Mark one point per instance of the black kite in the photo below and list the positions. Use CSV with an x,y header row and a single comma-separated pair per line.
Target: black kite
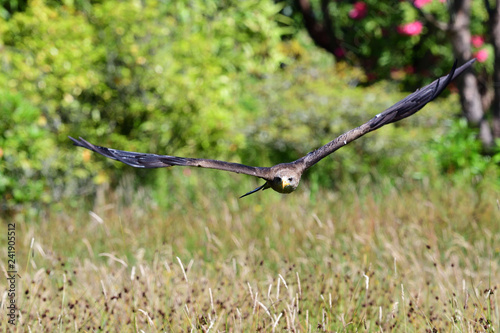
x,y
285,177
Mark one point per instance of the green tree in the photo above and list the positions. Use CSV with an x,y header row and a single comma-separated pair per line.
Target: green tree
x,y
146,75
395,39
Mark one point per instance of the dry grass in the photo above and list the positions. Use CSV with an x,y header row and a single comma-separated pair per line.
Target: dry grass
x,y
412,260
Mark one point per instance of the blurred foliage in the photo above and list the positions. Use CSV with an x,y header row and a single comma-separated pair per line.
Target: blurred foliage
x,y
457,153
373,38
25,151
9,7
190,78
140,75
328,101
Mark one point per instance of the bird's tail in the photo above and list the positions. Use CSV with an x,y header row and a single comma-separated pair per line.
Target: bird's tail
x,y
263,187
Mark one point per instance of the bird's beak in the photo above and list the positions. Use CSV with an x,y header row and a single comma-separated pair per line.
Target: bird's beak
x,y
284,183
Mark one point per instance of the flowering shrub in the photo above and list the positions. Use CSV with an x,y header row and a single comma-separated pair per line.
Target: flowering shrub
x,y
386,37
421,3
358,11
411,29
477,41
481,55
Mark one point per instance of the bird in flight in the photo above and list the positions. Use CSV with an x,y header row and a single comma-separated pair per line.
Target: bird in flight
x,y
285,177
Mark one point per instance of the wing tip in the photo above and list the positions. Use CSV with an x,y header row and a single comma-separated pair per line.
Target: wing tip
x,y
75,141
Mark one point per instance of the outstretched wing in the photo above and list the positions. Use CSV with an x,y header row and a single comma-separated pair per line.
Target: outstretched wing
x,y
402,109
141,160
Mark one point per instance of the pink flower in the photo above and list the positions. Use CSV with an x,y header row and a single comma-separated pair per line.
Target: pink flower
x,y
421,3
481,55
358,11
410,29
409,69
477,41
339,52
371,76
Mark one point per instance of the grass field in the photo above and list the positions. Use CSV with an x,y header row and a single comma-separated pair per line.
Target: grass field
x,y
366,258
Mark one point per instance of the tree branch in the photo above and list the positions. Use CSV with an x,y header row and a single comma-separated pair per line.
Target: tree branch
x,y
317,30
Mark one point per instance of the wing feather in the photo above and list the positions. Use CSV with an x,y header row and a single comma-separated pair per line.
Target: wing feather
x,y
142,160
402,109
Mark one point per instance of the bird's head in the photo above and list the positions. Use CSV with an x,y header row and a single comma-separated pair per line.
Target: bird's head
x,y
286,178
285,181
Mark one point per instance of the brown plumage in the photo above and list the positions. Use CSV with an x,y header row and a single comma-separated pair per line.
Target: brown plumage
x,y
285,177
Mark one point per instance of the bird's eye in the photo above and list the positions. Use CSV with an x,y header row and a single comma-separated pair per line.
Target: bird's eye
x,y
290,179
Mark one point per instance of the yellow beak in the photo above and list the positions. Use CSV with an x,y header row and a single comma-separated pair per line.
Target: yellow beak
x,y
284,183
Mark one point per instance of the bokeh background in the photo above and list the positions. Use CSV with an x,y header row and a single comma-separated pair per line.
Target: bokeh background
x,y
414,205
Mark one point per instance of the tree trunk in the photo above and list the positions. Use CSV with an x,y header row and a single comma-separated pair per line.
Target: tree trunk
x,y
467,83
495,39
473,103
317,30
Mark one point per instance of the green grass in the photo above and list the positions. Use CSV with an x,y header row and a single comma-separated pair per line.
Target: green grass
x,y
366,258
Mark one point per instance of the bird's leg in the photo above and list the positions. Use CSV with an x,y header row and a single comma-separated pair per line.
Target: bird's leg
x,y
263,187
